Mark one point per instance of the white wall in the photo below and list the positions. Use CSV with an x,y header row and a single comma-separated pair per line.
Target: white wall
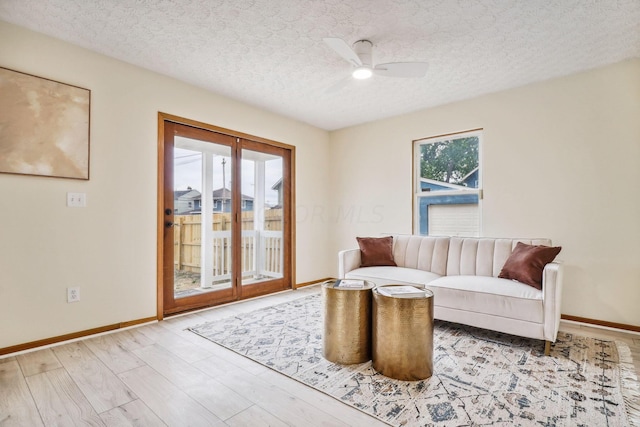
x,y
109,248
560,158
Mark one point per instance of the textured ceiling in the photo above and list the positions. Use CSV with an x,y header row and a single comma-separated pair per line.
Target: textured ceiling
x,y
270,53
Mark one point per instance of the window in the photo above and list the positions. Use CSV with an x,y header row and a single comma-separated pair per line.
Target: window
x,y
447,185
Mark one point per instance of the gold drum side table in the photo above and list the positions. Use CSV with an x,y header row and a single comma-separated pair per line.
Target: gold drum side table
x,y
347,323
402,340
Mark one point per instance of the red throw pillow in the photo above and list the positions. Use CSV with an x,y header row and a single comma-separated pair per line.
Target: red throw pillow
x,y
376,251
527,262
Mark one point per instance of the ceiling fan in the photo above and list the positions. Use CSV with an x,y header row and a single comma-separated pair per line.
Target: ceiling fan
x,y
361,57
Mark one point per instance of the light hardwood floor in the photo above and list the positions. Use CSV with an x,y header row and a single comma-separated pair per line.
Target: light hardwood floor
x,y
160,374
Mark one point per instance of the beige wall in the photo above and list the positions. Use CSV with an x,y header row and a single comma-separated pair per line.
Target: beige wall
x,y
109,248
560,159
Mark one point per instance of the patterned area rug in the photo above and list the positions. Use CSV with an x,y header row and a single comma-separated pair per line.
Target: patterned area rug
x,y
480,377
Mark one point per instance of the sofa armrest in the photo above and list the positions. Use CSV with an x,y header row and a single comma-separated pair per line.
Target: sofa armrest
x,y
348,260
551,295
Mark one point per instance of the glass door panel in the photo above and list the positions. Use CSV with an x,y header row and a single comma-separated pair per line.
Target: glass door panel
x,y
202,217
262,219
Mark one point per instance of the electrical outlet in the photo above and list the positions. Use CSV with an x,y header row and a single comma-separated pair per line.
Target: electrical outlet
x,y
73,294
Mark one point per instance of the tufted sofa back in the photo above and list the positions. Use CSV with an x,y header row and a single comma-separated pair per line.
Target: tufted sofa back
x,y
455,256
421,252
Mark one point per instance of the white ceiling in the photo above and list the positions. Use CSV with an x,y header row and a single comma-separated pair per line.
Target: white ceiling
x,y
270,53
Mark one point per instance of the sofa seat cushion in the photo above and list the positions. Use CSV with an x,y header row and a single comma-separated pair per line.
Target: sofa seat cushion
x,y
489,295
389,275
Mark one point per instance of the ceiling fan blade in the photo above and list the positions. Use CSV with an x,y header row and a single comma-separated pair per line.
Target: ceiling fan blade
x,y
401,69
343,50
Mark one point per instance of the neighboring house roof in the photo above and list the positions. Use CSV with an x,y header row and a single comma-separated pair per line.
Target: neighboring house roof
x,y
189,195
277,185
469,175
225,194
220,193
435,184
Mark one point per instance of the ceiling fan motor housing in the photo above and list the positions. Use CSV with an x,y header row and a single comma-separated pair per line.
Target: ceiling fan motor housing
x,y
363,49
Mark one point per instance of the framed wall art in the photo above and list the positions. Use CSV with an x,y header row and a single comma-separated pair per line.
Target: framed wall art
x,y
44,127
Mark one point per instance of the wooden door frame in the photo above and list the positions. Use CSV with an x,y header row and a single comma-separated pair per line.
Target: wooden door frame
x,y
160,229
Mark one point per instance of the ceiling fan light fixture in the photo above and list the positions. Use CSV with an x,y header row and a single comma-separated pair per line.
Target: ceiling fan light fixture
x,y
360,56
362,73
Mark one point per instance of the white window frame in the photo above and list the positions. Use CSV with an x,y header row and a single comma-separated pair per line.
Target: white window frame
x,y
418,194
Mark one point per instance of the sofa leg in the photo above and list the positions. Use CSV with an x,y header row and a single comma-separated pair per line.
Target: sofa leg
x,y
547,348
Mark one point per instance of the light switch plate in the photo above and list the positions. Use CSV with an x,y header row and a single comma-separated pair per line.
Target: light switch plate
x,y
77,200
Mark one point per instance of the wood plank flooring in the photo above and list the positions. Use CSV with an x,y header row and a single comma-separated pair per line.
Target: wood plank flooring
x,y
160,374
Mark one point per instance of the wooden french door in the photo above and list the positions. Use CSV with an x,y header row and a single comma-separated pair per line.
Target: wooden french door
x,y
224,215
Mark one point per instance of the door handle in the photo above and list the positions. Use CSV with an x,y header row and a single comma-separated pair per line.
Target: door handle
x,y
169,224
168,211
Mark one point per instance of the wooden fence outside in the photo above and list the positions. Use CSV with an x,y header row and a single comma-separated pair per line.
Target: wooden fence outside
x,y
188,240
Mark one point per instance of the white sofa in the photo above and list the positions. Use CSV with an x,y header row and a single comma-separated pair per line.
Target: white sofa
x,y
463,274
